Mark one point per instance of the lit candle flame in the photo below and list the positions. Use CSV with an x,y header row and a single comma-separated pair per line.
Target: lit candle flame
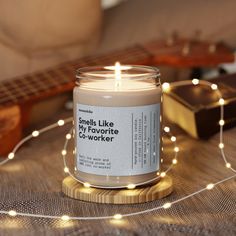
x,y
117,75
117,71
117,68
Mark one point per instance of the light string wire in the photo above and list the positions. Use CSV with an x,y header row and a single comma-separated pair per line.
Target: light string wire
x,y
129,186
166,87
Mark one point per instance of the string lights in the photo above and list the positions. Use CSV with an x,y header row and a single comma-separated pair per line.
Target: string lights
x,y
131,185
166,88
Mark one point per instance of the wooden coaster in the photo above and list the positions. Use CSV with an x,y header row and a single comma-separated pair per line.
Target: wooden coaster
x,y
74,189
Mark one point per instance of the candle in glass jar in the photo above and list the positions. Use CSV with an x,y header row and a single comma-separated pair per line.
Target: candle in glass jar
x,y
117,114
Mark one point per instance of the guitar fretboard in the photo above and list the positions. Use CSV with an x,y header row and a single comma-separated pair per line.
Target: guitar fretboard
x,y
60,79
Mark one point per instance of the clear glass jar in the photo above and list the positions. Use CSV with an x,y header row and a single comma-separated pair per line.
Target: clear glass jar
x,y
117,114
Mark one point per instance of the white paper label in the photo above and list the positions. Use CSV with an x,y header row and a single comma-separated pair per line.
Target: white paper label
x,y
118,141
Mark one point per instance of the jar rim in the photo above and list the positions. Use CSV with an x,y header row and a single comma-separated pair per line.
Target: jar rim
x,y
135,72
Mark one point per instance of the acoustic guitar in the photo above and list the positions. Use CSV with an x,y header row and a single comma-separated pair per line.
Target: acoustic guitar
x,y
18,95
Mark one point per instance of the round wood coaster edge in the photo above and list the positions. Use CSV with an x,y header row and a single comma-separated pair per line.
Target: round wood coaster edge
x,y
76,190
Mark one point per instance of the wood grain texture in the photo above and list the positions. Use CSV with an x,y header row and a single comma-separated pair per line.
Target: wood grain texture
x,y
74,189
10,128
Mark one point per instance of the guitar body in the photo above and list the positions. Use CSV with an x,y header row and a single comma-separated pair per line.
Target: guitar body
x,y
10,128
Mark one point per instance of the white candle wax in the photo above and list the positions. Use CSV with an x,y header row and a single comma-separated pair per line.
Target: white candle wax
x,y
117,127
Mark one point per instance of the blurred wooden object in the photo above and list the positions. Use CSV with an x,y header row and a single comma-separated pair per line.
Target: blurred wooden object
x,y
27,90
10,128
196,109
185,53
